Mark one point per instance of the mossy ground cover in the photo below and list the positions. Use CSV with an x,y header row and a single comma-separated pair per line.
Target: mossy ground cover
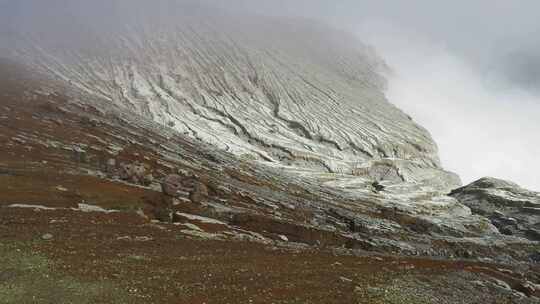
x,y
29,277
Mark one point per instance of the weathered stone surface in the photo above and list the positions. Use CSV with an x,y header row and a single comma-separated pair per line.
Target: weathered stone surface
x,y
507,205
312,98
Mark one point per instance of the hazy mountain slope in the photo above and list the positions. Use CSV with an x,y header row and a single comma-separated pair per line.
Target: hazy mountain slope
x,y
70,215
163,153
288,91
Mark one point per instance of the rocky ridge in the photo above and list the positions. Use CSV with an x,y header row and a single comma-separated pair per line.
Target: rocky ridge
x,y
512,209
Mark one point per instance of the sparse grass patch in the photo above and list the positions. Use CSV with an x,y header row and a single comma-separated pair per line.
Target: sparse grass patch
x,y
28,277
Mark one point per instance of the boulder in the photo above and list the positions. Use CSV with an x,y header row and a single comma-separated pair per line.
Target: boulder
x,y
172,185
47,237
175,185
148,179
110,166
125,171
136,173
199,193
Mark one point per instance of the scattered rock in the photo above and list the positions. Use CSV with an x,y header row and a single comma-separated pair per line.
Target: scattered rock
x,y
191,226
183,217
502,284
61,189
137,238
407,267
175,185
172,184
479,283
148,179
498,214
80,155
463,253
47,237
345,280
111,168
89,122
137,257
199,193
141,213
506,271
143,238
92,208
136,173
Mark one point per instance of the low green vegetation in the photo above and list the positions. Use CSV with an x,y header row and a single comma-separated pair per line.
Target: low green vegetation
x,y
27,277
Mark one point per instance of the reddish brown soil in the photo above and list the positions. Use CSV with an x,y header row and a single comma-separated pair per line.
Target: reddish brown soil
x,y
175,269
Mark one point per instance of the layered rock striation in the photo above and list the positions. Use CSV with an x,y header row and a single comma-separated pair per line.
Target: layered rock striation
x,y
300,103
512,209
288,92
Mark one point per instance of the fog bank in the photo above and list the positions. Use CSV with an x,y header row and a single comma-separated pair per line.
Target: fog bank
x,y
484,126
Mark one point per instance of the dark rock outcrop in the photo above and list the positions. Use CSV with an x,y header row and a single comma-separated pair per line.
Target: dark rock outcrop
x,y
512,209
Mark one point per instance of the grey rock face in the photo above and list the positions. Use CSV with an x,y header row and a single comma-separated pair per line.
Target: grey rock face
x,y
512,209
292,93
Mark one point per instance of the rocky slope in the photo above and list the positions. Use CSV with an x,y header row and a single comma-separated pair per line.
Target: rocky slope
x,y
82,207
512,209
311,97
236,139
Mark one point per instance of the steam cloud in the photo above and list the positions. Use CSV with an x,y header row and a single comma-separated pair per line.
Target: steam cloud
x,y
484,126
468,71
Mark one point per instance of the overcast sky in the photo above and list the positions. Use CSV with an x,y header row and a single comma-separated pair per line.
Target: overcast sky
x,y
467,70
